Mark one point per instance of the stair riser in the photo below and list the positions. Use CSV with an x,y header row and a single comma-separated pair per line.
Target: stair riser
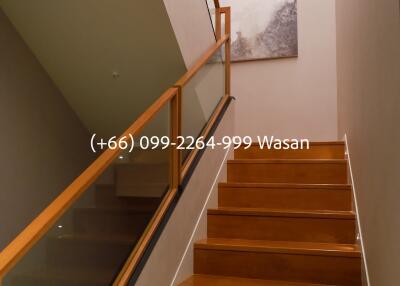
x,y
324,151
281,228
110,223
345,271
302,173
93,255
280,198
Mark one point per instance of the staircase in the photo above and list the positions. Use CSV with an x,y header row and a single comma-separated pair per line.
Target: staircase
x,y
284,218
84,238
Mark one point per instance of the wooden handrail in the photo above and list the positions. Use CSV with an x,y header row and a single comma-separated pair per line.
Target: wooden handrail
x,y
227,12
46,219
201,62
42,223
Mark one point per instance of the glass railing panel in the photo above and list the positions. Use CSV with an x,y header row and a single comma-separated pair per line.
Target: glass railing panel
x,y
200,96
73,68
91,242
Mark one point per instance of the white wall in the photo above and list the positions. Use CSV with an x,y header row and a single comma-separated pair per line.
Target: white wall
x,y
368,60
192,27
293,97
191,23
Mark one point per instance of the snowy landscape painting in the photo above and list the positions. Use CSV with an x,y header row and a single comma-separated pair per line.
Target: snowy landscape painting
x,y
263,29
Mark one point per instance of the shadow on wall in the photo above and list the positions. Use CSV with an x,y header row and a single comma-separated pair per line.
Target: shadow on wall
x,y
110,59
44,145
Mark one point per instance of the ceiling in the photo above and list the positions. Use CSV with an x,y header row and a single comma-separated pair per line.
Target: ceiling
x,y
110,59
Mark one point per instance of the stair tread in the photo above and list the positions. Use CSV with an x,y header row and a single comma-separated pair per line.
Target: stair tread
x,y
209,280
290,247
282,212
286,161
285,185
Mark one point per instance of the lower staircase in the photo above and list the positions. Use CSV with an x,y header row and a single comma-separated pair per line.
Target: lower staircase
x,y
93,249
284,218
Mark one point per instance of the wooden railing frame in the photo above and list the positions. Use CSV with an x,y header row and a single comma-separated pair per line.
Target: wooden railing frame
x,y
226,11
175,131
200,63
10,256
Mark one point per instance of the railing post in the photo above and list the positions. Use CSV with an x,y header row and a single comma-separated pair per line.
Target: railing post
x,y
218,31
218,23
175,131
228,51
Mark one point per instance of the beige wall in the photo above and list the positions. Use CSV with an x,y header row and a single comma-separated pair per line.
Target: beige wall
x,y
43,144
368,61
194,33
293,97
172,257
193,30
81,43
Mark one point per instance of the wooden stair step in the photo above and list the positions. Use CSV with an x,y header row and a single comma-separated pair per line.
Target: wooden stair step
x,y
209,280
318,150
318,263
284,218
285,196
283,213
282,225
287,171
288,247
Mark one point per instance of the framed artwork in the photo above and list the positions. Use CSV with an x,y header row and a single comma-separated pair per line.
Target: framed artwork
x,y
262,29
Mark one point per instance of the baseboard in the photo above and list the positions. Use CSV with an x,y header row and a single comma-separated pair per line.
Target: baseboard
x,y
360,240
189,245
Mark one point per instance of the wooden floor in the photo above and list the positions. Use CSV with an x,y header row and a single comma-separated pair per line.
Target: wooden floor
x,y
284,218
